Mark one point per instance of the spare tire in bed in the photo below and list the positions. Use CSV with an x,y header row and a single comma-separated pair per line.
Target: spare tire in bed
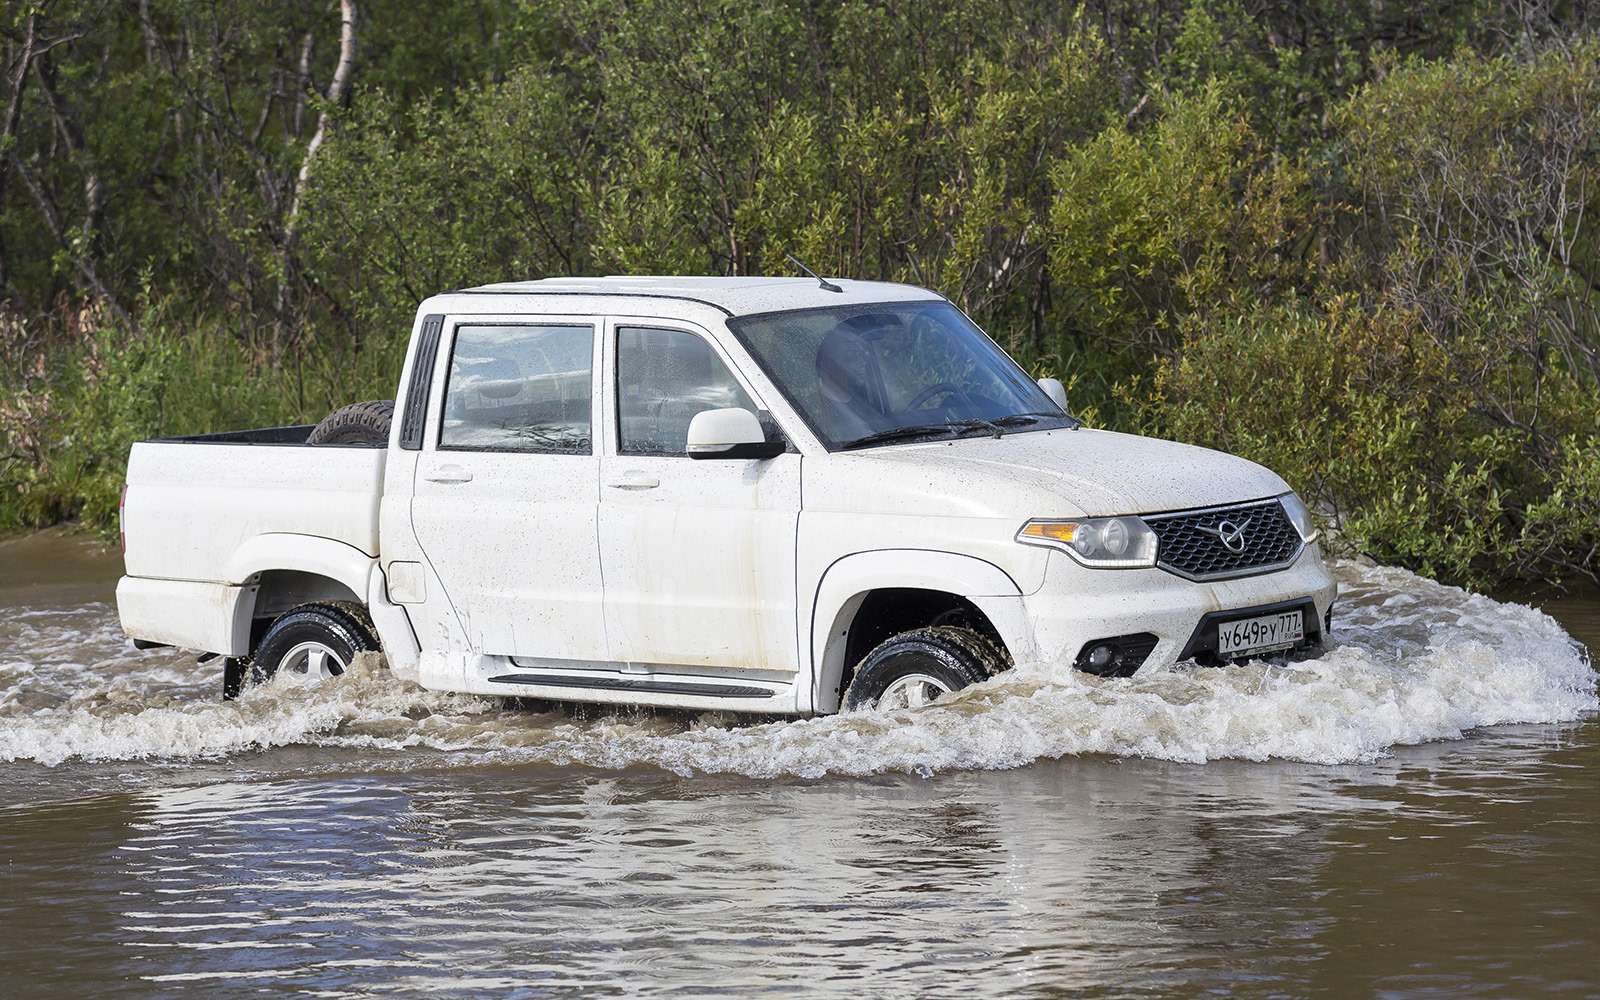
x,y
359,423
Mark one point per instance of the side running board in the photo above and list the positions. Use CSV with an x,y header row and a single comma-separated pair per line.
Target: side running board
x,y
629,684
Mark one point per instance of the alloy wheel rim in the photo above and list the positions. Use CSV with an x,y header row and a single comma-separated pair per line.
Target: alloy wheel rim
x,y
311,662
912,691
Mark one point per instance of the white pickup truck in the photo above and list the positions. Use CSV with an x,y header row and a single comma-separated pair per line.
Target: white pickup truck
x,y
777,495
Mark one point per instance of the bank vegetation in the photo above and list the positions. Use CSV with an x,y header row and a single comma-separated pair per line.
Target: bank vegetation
x,y
1356,242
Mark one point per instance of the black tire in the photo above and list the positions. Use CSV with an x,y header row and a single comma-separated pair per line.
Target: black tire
x,y
954,657
341,628
359,423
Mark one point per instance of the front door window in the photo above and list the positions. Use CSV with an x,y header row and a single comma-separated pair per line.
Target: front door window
x,y
665,377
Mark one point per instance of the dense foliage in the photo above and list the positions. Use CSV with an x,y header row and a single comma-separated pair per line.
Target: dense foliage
x,y
1354,241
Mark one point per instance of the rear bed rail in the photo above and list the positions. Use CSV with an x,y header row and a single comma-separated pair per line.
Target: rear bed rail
x,y
293,436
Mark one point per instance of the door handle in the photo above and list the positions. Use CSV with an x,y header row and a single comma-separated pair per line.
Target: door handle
x,y
634,480
448,474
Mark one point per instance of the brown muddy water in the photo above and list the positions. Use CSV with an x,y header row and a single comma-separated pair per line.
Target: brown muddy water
x,y
1414,813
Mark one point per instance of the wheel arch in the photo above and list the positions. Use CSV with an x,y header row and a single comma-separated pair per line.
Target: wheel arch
x,y
850,583
279,570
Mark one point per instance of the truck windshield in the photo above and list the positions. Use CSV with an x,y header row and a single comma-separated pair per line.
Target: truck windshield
x,y
894,371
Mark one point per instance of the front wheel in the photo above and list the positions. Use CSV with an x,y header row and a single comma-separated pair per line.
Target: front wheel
x,y
914,668
311,643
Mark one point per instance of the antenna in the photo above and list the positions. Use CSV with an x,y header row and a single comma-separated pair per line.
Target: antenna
x,y
827,285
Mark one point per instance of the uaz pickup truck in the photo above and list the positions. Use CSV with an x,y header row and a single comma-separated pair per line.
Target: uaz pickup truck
x,y
777,495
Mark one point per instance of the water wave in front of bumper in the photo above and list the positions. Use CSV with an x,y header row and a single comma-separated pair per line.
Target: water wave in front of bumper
x,y
1410,661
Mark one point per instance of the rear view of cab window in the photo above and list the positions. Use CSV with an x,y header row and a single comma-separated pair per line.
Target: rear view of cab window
x,y
520,388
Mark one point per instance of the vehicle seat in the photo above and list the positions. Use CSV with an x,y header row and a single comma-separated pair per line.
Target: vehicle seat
x,y
851,381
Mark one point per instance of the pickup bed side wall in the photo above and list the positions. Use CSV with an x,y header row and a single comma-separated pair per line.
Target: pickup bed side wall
x,y
190,506
188,614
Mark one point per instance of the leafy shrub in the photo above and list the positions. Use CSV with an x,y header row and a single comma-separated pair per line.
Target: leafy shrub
x,y
1350,407
1183,216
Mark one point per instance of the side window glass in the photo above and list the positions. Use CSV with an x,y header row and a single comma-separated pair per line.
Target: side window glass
x,y
665,377
519,388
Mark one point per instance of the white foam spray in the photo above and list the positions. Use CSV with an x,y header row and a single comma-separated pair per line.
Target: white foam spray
x,y
1411,661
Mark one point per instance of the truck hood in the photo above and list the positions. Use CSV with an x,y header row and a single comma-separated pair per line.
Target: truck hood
x,y
1058,473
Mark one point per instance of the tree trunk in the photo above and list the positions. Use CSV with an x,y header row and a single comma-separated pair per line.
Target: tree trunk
x,y
83,261
337,88
68,127
8,132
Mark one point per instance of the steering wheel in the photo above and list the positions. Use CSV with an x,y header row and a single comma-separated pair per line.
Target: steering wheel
x,y
931,392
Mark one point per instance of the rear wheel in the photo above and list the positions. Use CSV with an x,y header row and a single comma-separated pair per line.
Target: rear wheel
x,y
311,643
913,668
359,423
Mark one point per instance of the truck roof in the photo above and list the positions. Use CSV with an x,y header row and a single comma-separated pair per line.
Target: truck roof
x,y
738,296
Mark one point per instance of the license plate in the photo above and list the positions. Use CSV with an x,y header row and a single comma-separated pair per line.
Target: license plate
x,y
1259,635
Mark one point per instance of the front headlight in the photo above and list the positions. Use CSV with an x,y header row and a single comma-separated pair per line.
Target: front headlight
x,y
1300,517
1101,542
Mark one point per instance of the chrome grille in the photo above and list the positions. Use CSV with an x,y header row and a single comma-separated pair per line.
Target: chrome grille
x,y
1190,547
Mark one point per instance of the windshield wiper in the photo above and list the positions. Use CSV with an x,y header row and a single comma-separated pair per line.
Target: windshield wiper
x,y
951,428
1034,416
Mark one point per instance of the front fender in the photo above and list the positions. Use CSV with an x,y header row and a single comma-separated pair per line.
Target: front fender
x,y
848,580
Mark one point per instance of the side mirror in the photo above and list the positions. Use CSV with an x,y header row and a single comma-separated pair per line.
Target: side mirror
x,y
1056,391
731,433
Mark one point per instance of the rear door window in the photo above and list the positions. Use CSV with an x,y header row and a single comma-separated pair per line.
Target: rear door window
x,y
520,388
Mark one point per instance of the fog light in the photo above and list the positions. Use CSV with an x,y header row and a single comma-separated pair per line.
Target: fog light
x,y
1100,657
1115,656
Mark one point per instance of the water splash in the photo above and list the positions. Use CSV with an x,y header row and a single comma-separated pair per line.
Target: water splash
x,y
1411,661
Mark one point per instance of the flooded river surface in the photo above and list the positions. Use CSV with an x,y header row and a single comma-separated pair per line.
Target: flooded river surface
x,y
1414,813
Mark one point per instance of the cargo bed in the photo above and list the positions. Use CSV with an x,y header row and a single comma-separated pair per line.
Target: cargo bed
x,y
192,501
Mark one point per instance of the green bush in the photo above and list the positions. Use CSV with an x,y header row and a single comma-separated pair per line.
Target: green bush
x,y
1179,217
1350,407
67,423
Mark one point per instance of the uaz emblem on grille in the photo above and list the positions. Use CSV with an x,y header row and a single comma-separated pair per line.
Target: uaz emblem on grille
x,y
1229,534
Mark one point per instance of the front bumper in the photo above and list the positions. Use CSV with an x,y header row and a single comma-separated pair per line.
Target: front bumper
x,y
1077,605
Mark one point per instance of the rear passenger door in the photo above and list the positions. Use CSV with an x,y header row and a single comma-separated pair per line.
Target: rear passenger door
x,y
698,554
505,497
